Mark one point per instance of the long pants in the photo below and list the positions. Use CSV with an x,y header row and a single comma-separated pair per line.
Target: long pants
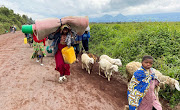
x,y
76,48
85,44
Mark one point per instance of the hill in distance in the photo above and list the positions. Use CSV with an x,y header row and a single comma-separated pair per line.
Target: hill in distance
x,y
171,17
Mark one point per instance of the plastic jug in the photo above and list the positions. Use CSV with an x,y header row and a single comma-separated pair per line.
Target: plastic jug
x,y
25,40
28,29
68,55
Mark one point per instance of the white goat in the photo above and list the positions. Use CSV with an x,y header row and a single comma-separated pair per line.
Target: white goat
x,y
87,62
107,68
111,60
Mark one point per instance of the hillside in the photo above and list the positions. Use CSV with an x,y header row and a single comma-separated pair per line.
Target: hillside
x,y
9,18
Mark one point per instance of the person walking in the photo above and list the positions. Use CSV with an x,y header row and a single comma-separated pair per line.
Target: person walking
x,y
85,39
62,38
38,46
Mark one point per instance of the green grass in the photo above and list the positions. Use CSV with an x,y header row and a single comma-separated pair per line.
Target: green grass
x,y
131,41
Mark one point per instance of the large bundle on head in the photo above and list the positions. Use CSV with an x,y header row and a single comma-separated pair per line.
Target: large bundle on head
x,y
78,24
42,28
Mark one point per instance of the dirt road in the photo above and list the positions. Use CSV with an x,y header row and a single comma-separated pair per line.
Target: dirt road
x,y
26,85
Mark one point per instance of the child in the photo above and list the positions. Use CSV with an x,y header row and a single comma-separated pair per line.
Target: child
x,y
30,39
38,46
85,41
141,94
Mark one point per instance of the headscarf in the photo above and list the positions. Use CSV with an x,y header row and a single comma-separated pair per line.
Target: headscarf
x,y
65,26
70,36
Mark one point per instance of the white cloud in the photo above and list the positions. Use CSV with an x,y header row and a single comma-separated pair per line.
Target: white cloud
x,y
158,6
38,9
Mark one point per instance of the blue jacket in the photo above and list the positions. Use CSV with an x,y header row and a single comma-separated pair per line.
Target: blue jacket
x,y
86,36
78,38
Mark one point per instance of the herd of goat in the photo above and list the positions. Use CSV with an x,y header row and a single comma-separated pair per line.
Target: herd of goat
x,y
109,65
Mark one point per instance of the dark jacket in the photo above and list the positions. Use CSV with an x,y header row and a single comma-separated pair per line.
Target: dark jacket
x,y
57,37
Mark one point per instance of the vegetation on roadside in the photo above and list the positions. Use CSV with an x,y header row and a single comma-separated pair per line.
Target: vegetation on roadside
x,y
131,41
9,18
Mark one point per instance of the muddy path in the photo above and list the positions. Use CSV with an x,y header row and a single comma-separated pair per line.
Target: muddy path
x,y
26,85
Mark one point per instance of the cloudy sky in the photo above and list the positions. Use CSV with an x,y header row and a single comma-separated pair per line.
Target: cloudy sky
x,y
39,9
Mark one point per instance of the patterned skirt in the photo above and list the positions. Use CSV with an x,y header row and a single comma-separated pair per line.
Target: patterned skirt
x,y
38,50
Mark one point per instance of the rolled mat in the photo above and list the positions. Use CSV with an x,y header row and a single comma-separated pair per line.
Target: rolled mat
x,y
77,23
44,27
27,29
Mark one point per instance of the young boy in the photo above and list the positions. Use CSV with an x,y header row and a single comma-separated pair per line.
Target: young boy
x,y
141,94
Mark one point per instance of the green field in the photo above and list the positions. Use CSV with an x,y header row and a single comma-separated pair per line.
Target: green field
x,y
131,41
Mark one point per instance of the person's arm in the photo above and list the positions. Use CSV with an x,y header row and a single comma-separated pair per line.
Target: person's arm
x,y
53,43
44,41
36,40
55,39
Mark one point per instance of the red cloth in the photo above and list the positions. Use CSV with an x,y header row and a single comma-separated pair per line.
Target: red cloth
x,y
62,67
38,41
150,100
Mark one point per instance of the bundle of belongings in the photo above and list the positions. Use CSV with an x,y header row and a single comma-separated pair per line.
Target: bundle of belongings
x,y
42,28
